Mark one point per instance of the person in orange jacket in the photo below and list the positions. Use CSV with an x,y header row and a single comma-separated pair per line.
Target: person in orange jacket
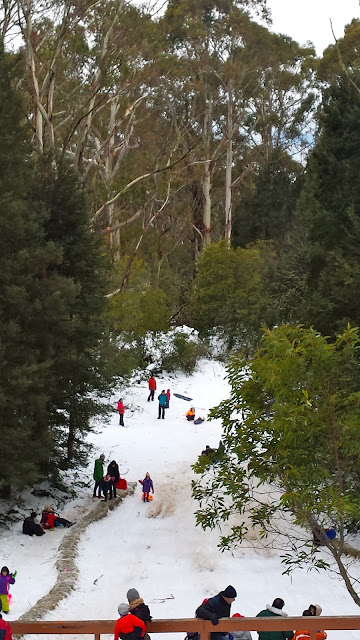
x,y
190,415
305,635
121,410
128,627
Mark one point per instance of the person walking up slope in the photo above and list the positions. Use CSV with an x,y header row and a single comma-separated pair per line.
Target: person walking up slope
x,y
276,609
162,404
147,485
152,388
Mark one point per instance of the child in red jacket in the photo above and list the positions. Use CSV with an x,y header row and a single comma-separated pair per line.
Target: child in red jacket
x,y
152,388
128,627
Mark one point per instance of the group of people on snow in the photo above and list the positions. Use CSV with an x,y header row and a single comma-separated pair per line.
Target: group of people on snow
x,y
107,484
49,520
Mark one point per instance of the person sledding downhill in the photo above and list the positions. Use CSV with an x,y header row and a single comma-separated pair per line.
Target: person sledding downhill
x,y
147,486
6,578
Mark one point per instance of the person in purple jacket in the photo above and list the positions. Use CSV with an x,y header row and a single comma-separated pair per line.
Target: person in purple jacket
x,y
147,485
6,578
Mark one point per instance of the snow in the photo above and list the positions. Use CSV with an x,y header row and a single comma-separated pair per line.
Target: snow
x,y
156,547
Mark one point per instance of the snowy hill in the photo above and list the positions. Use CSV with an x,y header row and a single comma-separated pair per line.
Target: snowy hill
x,y
155,547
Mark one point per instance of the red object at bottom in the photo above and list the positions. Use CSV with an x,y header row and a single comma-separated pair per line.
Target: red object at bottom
x,y
122,484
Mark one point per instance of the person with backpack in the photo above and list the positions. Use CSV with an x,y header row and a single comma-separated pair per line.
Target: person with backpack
x,y
276,609
217,607
137,606
98,474
121,410
128,627
162,404
152,388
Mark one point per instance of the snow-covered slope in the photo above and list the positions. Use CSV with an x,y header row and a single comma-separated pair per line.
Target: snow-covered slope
x,y
156,547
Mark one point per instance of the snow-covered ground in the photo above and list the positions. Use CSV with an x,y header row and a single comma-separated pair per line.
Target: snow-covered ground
x,y
156,547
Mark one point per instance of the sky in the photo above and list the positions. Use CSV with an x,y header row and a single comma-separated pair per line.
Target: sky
x,y
309,20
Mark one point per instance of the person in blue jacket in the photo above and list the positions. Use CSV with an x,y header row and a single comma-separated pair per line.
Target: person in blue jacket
x,y
162,404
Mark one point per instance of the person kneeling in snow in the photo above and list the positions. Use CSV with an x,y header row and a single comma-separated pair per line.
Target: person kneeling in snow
x,y
30,527
128,627
190,415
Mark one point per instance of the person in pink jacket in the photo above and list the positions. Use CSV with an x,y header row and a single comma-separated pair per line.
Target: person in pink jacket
x,y
121,410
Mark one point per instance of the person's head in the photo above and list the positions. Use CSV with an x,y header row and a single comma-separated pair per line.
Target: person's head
x,y
123,609
207,446
5,571
120,399
147,475
113,463
312,609
307,612
132,594
168,391
318,610
229,594
33,515
48,508
278,603
237,615
163,391
107,477
102,457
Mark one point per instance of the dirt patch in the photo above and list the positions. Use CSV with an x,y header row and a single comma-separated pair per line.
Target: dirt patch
x,y
68,572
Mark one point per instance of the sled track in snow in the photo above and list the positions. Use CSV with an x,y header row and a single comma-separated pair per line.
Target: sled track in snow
x,y
67,570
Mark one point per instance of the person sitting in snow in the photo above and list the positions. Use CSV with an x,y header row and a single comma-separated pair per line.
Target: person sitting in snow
x,y
208,451
305,635
147,486
128,627
199,420
276,609
32,528
50,519
137,606
218,607
5,629
190,415
239,635
6,578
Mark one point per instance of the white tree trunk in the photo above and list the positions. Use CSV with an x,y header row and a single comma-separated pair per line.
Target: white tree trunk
x,y
229,164
207,135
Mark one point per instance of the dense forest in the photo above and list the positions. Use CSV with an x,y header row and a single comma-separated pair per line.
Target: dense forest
x,y
163,168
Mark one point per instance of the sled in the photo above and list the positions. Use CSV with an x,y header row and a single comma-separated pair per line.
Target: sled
x,y
178,395
121,484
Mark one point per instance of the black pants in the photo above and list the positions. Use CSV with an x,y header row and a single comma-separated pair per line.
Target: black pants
x,y
62,521
161,411
121,419
106,491
151,395
114,488
97,486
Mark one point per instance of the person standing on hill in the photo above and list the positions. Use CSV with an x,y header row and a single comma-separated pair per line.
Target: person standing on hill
x,y
276,609
114,473
152,388
121,410
147,485
162,404
168,395
6,578
218,607
98,474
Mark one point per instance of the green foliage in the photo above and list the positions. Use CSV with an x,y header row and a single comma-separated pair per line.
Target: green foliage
x,y
183,354
291,435
231,291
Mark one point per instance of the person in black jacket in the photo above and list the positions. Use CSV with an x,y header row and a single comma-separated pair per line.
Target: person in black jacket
x,y
113,472
217,607
137,606
30,527
107,487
